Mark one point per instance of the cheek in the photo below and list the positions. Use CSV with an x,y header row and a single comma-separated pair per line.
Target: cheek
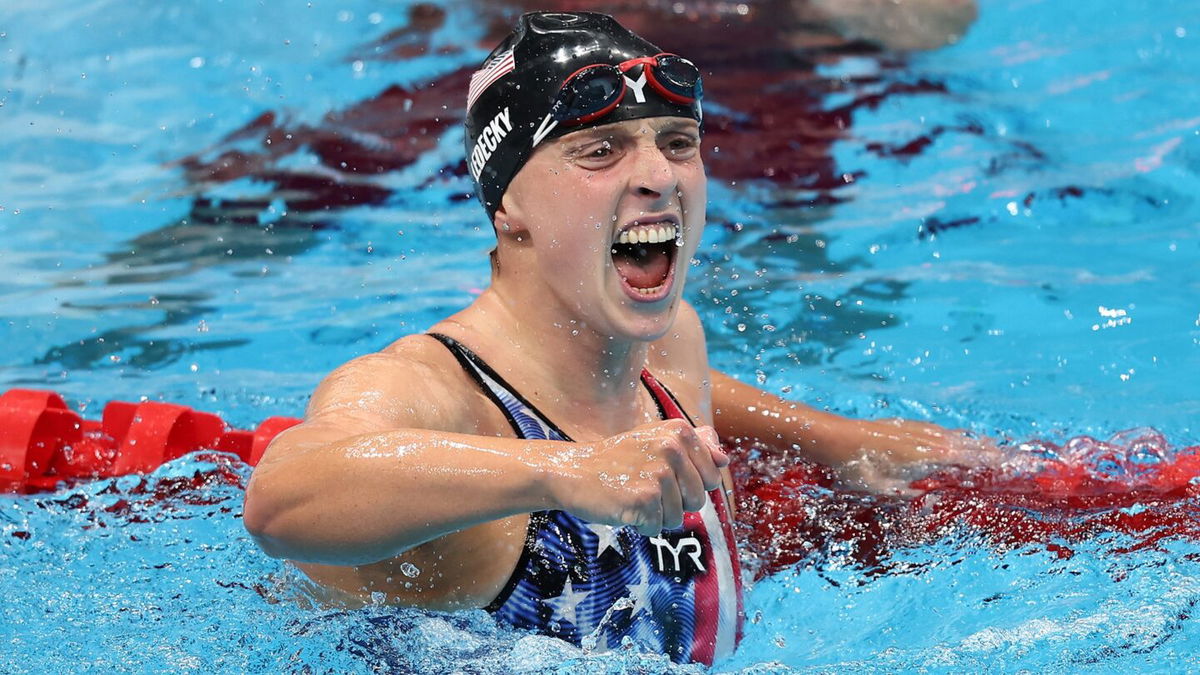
x,y
579,225
695,196
573,246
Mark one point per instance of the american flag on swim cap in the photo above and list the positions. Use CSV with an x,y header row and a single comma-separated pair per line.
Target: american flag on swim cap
x,y
497,67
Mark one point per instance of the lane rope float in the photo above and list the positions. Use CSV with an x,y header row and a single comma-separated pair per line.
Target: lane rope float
x,y
43,442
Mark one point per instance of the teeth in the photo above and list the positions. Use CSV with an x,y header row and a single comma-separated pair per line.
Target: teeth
x,y
648,234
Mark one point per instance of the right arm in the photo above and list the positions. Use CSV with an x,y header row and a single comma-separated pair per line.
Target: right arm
x,y
375,471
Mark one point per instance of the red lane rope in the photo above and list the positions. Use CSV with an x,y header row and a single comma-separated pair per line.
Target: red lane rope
x,y
43,442
789,511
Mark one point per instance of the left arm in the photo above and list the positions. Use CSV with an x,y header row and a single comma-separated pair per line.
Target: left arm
x,y
864,451
872,454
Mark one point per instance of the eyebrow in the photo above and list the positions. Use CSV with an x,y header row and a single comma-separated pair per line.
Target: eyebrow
x,y
590,135
586,136
678,125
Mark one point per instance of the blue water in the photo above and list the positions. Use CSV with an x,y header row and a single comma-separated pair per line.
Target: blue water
x,y
1031,272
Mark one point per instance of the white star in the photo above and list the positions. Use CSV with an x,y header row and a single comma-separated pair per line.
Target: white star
x,y
640,594
608,539
601,641
566,604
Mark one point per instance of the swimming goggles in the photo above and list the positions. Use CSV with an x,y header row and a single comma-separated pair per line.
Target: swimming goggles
x,y
594,91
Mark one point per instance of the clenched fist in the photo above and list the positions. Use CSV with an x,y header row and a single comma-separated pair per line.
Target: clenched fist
x,y
646,477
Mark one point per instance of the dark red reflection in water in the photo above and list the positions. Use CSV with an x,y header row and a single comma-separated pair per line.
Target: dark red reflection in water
x,y
767,119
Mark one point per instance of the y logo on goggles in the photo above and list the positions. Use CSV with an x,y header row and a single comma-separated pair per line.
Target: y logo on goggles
x,y
637,86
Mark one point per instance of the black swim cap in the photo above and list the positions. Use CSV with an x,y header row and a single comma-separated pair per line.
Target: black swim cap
x,y
510,96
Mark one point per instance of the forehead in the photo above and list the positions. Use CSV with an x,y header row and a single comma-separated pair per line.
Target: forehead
x,y
627,128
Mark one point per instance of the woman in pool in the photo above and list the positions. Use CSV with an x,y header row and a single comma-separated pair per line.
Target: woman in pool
x,y
550,452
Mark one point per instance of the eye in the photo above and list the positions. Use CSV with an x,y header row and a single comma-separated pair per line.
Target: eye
x,y
600,151
599,154
682,146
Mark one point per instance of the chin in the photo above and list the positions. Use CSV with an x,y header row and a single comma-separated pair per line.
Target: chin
x,y
647,323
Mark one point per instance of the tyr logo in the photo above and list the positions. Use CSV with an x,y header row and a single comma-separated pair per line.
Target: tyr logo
x,y
691,545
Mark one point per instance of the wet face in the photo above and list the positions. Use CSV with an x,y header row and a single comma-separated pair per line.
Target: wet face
x,y
610,217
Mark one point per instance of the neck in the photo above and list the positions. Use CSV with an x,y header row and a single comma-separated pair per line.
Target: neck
x,y
594,374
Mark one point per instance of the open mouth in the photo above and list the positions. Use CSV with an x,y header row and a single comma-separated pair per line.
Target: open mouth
x,y
644,257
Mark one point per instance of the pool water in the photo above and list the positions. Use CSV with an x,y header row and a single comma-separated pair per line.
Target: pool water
x,y
216,203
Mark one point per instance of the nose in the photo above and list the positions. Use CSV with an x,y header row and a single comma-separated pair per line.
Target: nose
x,y
654,175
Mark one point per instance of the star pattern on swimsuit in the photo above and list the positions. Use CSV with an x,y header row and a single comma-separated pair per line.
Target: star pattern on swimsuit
x,y
639,593
566,605
608,539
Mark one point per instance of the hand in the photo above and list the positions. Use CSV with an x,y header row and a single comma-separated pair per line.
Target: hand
x,y
889,454
647,477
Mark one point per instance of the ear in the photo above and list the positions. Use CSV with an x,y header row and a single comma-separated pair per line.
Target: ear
x,y
508,221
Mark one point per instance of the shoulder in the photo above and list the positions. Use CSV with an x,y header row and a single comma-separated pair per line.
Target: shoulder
x,y
414,382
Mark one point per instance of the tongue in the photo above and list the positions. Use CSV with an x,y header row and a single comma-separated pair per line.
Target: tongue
x,y
647,270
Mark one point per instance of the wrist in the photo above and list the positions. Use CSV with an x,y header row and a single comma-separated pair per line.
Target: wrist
x,y
555,476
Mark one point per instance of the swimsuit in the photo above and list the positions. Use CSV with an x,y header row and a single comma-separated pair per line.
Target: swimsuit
x,y
679,593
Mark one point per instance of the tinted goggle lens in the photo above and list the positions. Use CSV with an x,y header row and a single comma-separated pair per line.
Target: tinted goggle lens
x,y
678,75
591,90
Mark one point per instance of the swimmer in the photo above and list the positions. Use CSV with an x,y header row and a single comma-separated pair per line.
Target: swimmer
x,y
550,453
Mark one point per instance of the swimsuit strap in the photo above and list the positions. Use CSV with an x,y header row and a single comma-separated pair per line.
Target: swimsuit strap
x,y
668,405
524,417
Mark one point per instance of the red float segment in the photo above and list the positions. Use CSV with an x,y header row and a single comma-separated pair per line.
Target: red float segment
x,y
238,443
89,457
267,431
117,417
250,446
160,432
34,425
43,442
